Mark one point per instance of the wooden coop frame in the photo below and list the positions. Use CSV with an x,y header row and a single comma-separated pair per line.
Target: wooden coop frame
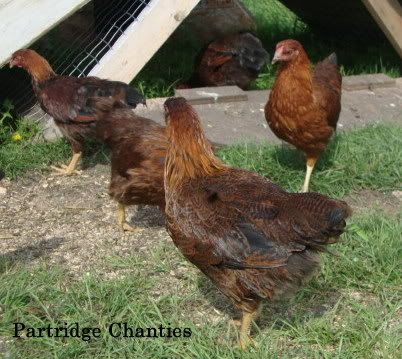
x,y
388,15
24,21
129,53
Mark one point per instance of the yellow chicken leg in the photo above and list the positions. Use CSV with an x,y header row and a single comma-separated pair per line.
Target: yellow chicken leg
x,y
70,169
245,326
121,219
310,163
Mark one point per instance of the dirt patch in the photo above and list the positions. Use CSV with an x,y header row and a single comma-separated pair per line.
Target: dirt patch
x,y
389,202
71,221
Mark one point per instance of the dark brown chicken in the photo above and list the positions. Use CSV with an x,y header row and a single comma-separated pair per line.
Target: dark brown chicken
x,y
65,99
304,104
233,60
254,240
138,148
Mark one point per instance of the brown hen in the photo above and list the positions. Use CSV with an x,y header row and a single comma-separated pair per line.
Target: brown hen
x,y
65,99
138,148
304,104
254,240
232,60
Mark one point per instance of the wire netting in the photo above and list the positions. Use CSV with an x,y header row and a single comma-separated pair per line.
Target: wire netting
x,y
73,47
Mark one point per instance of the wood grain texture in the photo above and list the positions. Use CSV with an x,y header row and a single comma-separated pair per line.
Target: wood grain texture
x,y
24,21
142,39
388,15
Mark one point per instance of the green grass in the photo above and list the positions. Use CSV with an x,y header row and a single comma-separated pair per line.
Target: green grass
x,y
369,158
174,61
17,159
350,310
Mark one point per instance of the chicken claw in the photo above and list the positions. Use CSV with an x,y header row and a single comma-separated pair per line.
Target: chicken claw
x,y
121,220
70,169
64,170
127,228
245,340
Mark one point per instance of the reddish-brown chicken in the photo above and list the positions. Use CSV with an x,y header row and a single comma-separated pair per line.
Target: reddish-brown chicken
x,y
233,60
65,99
138,148
254,240
304,104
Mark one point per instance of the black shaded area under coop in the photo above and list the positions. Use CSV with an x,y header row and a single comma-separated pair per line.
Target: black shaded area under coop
x,y
345,17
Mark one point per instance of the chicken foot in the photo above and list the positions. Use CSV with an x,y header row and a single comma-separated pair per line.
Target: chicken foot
x,y
245,327
121,220
67,170
310,163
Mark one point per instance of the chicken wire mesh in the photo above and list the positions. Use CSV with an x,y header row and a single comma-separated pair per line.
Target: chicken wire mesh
x,y
73,47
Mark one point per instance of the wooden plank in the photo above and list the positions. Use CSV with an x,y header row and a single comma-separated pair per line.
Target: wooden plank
x,y
24,21
142,39
367,82
388,15
206,95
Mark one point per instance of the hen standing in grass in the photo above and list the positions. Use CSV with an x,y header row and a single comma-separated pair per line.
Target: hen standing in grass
x,y
138,149
233,60
304,104
65,99
254,240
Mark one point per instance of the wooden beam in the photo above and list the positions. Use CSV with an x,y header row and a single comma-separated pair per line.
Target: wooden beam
x,y
142,39
24,21
388,15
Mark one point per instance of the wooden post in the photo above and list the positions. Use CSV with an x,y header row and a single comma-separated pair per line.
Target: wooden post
x,y
142,39
388,15
24,21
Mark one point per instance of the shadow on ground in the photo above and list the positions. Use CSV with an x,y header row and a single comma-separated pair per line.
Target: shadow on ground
x,y
29,253
307,303
294,159
147,216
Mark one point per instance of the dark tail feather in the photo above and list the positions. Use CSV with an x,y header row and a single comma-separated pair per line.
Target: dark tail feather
x,y
337,220
324,220
133,97
333,59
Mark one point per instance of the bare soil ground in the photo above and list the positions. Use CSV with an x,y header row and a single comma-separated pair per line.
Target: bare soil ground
x,y
71,221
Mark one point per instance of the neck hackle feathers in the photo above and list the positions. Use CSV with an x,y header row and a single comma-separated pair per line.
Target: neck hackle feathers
x,y
37,66
190,153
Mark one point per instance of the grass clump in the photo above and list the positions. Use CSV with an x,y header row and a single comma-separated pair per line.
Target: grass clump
x,y
350,310
19,152
368,158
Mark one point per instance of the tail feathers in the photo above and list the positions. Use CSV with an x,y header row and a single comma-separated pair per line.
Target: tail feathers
x,y
133,97
254,61
333,59
319,220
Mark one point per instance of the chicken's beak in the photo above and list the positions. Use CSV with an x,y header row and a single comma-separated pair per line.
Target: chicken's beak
x,y
277,56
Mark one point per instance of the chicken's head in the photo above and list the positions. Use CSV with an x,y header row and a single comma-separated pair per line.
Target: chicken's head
x,y
32,62
21,58
286,51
